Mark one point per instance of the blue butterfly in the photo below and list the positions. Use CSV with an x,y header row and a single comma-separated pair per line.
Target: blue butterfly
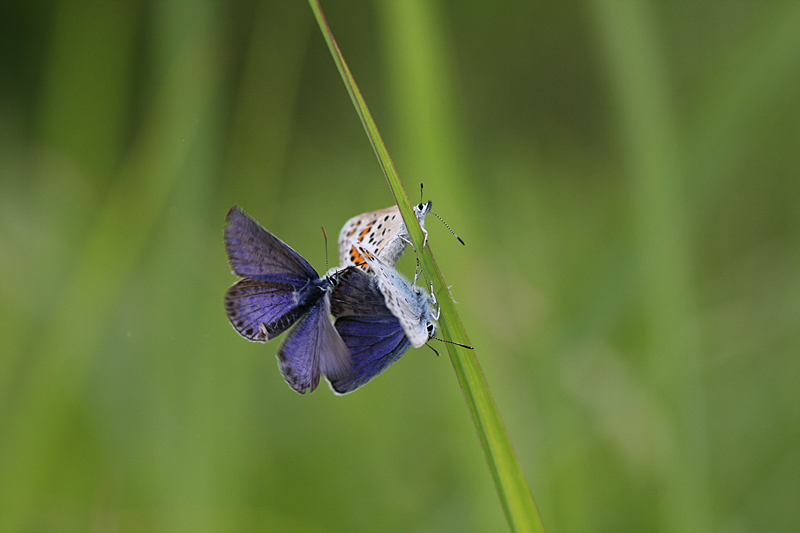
x,y
379,317
280,288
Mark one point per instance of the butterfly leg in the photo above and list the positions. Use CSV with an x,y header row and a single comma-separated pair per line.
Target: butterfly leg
x,y
424,240
417,270
433,304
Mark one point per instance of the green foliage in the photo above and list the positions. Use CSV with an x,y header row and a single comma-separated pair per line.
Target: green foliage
x,y
624,176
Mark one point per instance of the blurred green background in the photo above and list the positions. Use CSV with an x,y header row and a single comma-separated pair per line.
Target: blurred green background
x,y
625,176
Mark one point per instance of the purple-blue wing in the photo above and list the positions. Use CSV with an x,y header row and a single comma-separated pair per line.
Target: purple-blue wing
x,y
375,344
311,348
356,294
371,332
255,253
261,310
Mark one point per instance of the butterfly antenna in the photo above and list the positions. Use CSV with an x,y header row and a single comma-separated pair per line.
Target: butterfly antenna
x,y
451,229
453,342
432,348
325,233
420,193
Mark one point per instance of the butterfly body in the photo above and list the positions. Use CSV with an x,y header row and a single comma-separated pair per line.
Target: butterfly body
x,y
411,305
280,289
382,233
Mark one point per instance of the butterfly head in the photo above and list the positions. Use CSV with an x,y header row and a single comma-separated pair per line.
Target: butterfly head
x,y
421,210
431,328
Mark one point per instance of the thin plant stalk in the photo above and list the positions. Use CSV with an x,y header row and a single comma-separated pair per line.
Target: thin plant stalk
x,y
515,496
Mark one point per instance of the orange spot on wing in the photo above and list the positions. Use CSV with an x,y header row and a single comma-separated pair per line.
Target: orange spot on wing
x,y
365,230
358,259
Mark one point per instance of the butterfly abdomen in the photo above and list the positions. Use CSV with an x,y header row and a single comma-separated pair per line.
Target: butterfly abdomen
x,y
304,300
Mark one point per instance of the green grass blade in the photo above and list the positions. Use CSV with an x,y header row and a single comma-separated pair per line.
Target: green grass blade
x,y
515,496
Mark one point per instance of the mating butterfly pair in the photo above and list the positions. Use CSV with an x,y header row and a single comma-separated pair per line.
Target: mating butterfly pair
x,y
379,315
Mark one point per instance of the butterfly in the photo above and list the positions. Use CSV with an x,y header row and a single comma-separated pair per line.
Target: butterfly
x,y
382,233
279,289
412,306
379,317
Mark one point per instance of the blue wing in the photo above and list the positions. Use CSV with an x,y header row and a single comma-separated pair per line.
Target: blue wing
x,y
312,347
375,344
261,310
280,288
371,332
255,253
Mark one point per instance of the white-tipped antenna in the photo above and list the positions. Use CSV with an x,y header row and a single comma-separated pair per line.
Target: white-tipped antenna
x,y
440,218
451,229
325,233
452,342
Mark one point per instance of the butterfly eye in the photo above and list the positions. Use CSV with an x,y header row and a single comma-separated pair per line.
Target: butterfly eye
x,y
430,328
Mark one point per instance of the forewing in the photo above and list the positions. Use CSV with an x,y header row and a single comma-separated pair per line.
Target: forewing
x,y
311,347
261,310
255,253
356,294
375,344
